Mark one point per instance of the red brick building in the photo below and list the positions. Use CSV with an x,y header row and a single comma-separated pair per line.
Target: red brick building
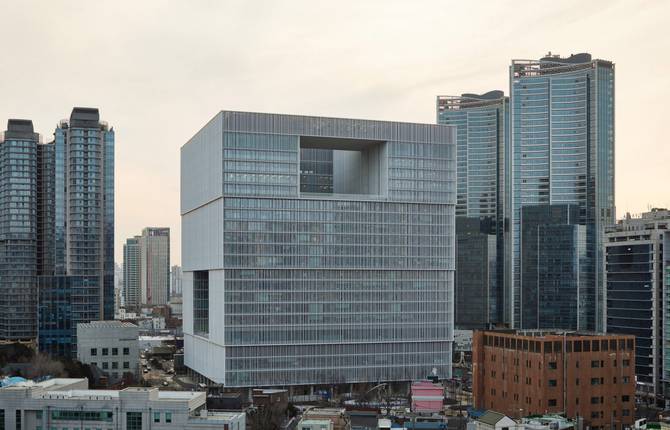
x,y
584,375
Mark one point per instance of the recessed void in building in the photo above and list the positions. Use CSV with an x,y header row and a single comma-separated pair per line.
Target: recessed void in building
x,y
342,166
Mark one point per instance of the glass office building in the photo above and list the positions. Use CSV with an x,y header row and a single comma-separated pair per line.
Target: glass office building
x,y
482,128
317,250
561,151
555,274
18,231
475,286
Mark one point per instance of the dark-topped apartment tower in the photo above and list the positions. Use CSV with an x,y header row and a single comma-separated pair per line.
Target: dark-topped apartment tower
x,y
78,282
18,231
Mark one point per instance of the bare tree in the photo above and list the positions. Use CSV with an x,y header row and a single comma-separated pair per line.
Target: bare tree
x,y
42,365
269,417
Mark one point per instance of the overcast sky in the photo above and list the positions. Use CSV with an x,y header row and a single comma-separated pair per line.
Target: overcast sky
x,y
159,70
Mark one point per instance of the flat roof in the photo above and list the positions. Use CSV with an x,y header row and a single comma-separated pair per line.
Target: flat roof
x,y
218,415
53,384
555,333
107,324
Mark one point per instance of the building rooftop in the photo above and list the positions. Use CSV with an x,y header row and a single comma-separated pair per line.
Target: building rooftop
x,y
315,422
552,333
53,384
107,324
218,415
655,218
70,388
325,411
491,418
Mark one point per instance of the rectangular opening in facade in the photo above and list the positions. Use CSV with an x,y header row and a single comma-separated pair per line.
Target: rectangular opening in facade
x,y
342,166
201,302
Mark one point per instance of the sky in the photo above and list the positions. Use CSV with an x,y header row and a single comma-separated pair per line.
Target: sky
x,y
159,70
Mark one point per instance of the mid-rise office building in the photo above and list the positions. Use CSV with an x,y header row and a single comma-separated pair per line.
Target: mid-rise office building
x,y
288,283
561,152
132,292
634,276
555,271
475,290
70,404
175,281
482,128
18,231
111,346
76,283
581,375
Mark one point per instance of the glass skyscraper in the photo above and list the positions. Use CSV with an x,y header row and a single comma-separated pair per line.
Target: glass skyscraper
x,y
317,250
482,128
561,151
82,215
18,230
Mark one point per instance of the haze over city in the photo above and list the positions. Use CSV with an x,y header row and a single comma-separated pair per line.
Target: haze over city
x,y
158,70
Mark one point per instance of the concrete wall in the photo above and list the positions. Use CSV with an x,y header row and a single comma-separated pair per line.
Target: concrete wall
x,y
110,337
361,172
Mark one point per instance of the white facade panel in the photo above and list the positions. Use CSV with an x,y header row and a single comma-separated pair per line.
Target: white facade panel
x,y
205,357
202,237
201,166
216,307
187,304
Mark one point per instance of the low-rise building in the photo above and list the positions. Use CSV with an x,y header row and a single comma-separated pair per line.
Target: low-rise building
x,y
314,424
427,397
68,403
585,375
336,416
267,397
492,420
112,346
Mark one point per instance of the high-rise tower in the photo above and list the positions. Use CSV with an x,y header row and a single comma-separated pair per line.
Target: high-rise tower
x,y
481,123
132,295
18,230
561,152
155,265
79,285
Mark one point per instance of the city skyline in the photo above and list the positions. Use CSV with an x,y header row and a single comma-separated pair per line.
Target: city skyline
x,y
184,63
